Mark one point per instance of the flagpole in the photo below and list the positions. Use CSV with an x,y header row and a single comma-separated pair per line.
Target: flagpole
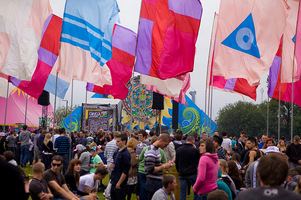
x,y
6,102
56,79
26,108
70,127
211,99
86,96
268,113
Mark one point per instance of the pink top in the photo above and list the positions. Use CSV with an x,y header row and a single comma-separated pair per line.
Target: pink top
x,y
207,174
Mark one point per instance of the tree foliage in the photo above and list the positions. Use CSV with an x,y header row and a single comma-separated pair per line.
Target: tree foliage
x,y
61,113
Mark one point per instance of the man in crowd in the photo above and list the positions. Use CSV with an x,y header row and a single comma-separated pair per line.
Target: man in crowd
x,y
217,141
293,151
24,139
227,143
153,165
142,135
264,138
120,168
252,154
169,183
81,139
272,172
56,181
38,187
187,160
111,147
204,136
62,144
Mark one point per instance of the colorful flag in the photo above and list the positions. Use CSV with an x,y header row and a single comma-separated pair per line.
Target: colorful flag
x,y
173,88
86,41
248,36
121,64
21,25
48,53
298,46
4,80
168,31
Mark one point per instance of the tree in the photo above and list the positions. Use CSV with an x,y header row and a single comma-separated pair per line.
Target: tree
x,y
61,113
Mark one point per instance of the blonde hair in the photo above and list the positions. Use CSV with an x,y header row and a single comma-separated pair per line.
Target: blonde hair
x,y
132,143
47,139
298,188
92,145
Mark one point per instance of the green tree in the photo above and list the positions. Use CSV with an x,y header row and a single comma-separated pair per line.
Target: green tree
x,y
61,113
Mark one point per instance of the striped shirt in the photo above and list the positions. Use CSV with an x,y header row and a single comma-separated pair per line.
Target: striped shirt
x,y
111,147
152,159
62,144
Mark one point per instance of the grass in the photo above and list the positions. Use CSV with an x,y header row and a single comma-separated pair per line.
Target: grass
x,y
28,172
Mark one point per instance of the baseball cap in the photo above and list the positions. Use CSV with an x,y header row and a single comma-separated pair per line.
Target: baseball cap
x,y
2,134
94,148
272,149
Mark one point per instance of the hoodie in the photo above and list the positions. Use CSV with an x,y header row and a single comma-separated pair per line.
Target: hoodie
x,y
207,174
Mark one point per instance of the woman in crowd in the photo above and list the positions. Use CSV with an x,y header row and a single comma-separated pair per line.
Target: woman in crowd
x,y
207,170
47,151
133,172
233,172
84,156
95,160
281,146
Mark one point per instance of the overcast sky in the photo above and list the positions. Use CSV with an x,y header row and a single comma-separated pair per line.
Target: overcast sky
x,y
129,17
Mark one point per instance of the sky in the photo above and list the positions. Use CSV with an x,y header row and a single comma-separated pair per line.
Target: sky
x,y
129,17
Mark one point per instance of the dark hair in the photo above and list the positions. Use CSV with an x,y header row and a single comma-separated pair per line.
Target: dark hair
x,y
57,158
209,145
236,157
167,179
218,139
62,130
217,195
123,137
224,133
178,136
165,137
9,155
179,132
253,140
24,127
243,133
72,163
273,169
292,172
143,132
190,138
298,169
233,171
101,170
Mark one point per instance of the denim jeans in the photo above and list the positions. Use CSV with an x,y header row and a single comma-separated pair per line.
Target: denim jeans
x,y
118,194
24,154
184,181
151,186
65,162
202,197
142,180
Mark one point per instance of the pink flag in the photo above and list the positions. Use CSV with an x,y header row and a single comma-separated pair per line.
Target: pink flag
x,y
248,36
298,46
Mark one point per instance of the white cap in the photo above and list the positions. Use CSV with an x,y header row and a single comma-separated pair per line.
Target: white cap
x,y
272,149
2,134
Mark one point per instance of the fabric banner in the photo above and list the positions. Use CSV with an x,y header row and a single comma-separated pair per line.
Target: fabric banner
x,y
4,80
168,31
21,25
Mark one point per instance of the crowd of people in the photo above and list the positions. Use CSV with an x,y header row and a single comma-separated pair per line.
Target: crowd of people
x,y
149,166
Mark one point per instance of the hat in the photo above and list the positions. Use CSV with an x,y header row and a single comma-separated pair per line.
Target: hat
x,y
94,148
99,146
2,134
272,149
80,148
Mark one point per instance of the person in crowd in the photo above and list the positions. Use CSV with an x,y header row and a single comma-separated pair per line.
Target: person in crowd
x,y
55,136
264,138
31,149
81,139
141,169
281,145
40,144
133,172
120,168
10,139
169,183
253,153
272,172
153,165
223,165
2,143
293,152
24,139
269,142
207,170
111,147
178,139
18,149
204,136
292,179
221,185
56,181
170,151
10,157
217,142
88,184
95,160
298,187
84,156
187,160
298,169
62,144
47,151
234,144
72,175
235,157
142,135
234,173
227,143
38,187
217,195
37,154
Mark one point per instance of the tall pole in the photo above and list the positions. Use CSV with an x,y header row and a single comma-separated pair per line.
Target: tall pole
x,y
57,74
6,101
26,108
268,105
292,114
86,96
132,84
70,126
279,109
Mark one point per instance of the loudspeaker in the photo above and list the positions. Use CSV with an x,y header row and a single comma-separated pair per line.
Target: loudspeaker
x,y
175,115
44,98
158,101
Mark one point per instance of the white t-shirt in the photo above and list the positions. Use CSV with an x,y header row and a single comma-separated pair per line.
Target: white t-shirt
x,y
227,144
87,180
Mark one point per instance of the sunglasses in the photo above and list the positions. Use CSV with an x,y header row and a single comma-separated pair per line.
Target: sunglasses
x,y
54,164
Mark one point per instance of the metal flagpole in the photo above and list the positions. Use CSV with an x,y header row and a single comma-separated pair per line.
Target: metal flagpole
x,y
279,105
54,101
132,91
26,108
70,127
268,110
86,96
211,98
6,101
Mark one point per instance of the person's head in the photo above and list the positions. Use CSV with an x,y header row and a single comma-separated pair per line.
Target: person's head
x,y
206,146
9,155
24,127
243,133
216,133
115,134
264,138
298,187
121,140
224,133
235,157
162,141
153,139
298,169
251,143
217,141
233,170
217,195
56,163
244,139
93,150
142,135
62,131
132,143
223,165
291,174
281,143
178,136
74,166
47,139
100,173
38,168
296,140
272,169
81,134
270,142
169,182
190,139
204,135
